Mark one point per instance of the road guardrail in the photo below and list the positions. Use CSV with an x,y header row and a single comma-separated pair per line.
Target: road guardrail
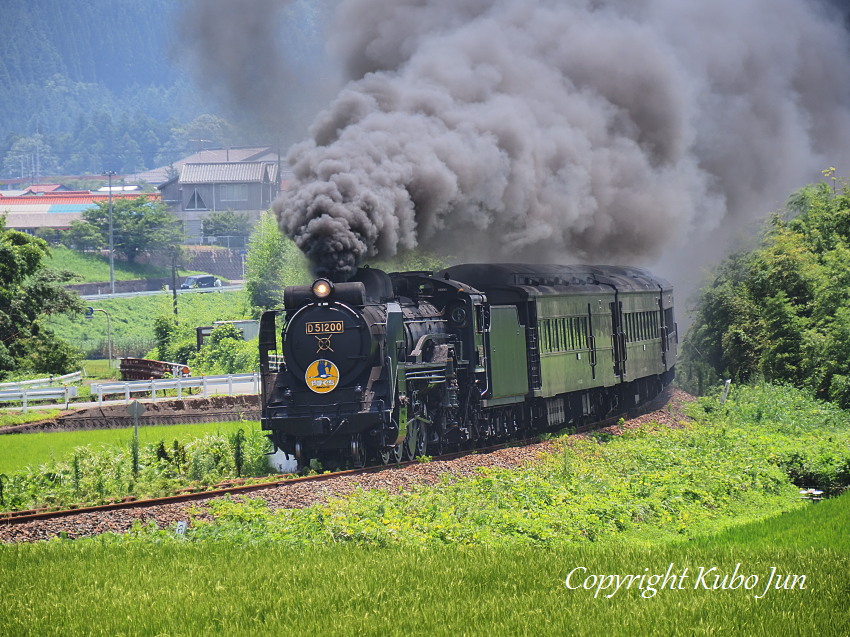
x,y
25,396
107,295
205,383
43,382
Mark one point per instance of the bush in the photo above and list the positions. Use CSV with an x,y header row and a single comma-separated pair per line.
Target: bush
x,y
224,352
92,474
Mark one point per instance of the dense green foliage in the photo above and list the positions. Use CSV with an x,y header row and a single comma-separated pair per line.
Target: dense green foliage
x,y
178,587
134,320
225,352
138,225
781,312
273,262
231,228
96,473
29,293
96,85
89,83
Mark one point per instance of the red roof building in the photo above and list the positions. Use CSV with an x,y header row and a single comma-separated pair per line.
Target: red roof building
x,y
40,189
55,210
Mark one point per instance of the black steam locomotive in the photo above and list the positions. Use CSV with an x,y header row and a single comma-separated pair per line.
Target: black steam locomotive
x,y
392,366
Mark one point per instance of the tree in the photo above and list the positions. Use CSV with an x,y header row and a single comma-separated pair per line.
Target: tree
x,y
29,292
225,352
30,157
205,131
781,311
174,344
272,263
82,236
139,225
227,224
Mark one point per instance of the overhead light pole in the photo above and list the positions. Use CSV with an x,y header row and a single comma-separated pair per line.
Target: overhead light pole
x,y
89,314
109,174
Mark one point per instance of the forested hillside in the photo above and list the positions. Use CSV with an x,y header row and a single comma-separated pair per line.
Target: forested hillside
x,y
128,85
60,60
96,85
89,85
781,312
114,42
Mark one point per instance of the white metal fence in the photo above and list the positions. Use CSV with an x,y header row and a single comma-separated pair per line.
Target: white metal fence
x,y
207,384
27,395
75,377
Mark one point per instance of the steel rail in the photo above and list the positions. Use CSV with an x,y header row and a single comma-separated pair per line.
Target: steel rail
x,y
18,517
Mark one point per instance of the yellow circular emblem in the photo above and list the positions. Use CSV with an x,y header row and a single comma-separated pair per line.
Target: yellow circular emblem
x,y
322,376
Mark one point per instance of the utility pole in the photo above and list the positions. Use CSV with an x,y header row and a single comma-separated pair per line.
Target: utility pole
x,y
174,280
109,174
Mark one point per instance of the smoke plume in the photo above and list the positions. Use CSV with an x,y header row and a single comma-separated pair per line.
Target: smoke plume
x,y
262,58
572,130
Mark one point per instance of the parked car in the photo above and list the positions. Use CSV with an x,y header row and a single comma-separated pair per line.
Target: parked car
x,y
200,281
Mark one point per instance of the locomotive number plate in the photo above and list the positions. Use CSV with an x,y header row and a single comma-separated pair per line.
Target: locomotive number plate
x,y
327,327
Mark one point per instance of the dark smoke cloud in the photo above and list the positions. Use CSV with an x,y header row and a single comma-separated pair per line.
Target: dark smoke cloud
x,y
263,58
576,130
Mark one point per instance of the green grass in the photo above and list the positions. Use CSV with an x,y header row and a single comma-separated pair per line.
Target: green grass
x,y
818,526
133,320
18,451
98,369
179,588
94,268
10,418
328,570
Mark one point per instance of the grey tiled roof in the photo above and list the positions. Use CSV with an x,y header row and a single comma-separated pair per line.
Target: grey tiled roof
x,y
228,172
214,155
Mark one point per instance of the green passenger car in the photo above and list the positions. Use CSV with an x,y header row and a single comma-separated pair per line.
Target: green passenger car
x,y
579,340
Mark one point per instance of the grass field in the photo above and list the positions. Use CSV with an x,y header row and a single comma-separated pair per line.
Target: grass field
x,y
655,532
18,451
94,268
133,320
179,588
100,370
12,417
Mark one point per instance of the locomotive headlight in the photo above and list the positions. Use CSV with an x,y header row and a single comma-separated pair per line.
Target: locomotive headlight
x,y
322,288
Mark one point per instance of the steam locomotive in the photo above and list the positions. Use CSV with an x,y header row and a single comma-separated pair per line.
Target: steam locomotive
x,y
395,366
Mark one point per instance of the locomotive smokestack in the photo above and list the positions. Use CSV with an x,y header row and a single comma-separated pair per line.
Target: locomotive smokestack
x,y
543,130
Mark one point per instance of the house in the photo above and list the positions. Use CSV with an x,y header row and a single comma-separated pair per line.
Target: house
x,y
158,176
40,189
246,187
52,210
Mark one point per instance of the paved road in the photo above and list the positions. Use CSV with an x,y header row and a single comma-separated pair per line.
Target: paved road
x,y
224,288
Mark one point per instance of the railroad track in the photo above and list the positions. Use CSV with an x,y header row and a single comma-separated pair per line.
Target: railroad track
x,y
124,422
20,517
